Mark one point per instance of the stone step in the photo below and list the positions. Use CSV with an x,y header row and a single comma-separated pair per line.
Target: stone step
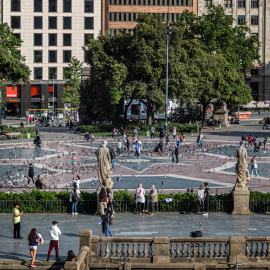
x,y
15,264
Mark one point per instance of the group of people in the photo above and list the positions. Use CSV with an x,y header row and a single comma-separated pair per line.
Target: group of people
x,y
250,142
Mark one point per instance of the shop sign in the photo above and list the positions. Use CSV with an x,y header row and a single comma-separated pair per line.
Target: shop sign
x,y
12,100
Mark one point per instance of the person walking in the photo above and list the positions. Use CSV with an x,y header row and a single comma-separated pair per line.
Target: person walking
x,y
137,149
102,200
31,173
176,151
153,200
119,146
73,161
173,154
107,221
54,233
16,220
206,199
200,140
128,144
264,144
39,183
37,142
255,143
174,131
249,141
244,139
33,239
254,167
200,196
140,198
74,198
152,132
112,154
70,126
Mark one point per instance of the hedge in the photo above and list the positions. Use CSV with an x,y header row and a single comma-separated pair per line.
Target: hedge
x,y
188,128
23,130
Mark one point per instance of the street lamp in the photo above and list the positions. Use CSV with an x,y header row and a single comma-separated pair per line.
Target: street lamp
x,y
240,63
168,33
53,93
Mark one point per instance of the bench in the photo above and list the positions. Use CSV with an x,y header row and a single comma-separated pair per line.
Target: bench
x,y
15,134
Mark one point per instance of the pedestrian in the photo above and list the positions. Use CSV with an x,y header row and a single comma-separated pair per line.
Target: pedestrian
x,y
128,143
37,142
176,151
31,173
124,137
140,198
16,220
174,131
54,233
254,167
153,199
173,154
110,205
74,198
102,200
70,126
73,161
244,139
250,141
119,146
161,133
30,119
197,127
200,196
264,144
200,140
160,145
206,199
137,149
71,256
256,144
167,141
76,182
107,221
33,239
181,137
152,132
112,154
39,183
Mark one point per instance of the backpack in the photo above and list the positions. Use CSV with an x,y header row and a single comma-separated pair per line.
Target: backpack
x,y
75,197
41,242
35,141
139,193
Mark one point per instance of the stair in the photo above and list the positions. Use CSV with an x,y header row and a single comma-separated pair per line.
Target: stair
x,y
44,265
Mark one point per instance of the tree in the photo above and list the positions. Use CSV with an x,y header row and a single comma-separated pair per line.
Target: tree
x,y
72,91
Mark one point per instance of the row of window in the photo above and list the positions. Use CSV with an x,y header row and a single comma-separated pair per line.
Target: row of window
x,y
240,3
188,3
52,40
52,73
131,17
16,22
52,56
67,6
253,21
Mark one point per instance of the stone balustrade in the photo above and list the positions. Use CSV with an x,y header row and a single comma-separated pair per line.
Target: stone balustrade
x,y
166,253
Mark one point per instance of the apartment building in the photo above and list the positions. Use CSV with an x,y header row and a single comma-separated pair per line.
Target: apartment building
x,y
52,32
256,13
122,14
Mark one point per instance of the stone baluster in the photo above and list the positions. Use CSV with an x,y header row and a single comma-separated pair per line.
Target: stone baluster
x,y
194,255
215,250
263,249
112,249
210,250
150,250
188,250
107,252
128,249
257,249
200,251
247,250
134,251
204,250
251,249
177,251
145,251
268,249
117,250
101,250
139,250
123,250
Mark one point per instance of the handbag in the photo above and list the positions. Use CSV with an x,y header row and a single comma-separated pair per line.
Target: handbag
x,y
111,222
199,143
100,221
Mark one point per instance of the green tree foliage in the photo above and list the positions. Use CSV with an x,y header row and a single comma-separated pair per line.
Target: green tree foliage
x,y
72,91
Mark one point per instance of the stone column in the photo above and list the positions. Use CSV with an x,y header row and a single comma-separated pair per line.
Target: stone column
x,y
94,257
85,237
241,201
162,254
237,250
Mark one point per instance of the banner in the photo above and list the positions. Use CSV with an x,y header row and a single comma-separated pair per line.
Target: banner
x,y
11,92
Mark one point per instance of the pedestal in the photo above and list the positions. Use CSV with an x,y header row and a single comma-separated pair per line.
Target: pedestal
x,y
241,201
221,113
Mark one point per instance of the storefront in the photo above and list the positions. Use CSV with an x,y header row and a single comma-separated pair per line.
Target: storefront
x,y
13,100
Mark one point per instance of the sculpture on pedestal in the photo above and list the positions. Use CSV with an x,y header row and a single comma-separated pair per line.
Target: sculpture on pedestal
x,y
241,168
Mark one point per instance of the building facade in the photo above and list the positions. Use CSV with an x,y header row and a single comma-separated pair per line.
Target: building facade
x,y
52,32
122,14
256,13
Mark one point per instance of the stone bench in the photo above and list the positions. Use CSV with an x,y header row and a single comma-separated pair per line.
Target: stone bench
x,y
15,134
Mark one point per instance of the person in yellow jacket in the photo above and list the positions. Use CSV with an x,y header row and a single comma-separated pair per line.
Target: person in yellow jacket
x,y
16,220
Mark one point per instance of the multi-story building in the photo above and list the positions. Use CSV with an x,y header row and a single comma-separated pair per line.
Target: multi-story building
x,y
52,32
256,14
122,14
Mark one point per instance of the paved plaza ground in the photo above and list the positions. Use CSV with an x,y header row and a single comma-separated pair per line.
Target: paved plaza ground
x,y
125,225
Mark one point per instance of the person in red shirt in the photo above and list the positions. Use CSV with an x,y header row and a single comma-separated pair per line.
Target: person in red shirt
x,y
250,141
30,119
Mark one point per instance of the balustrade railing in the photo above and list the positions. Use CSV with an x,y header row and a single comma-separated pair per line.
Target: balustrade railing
x,y
257,247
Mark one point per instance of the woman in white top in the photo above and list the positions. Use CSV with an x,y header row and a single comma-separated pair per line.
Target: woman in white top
x,y
140,198
254,167
74,198
76,182
200,196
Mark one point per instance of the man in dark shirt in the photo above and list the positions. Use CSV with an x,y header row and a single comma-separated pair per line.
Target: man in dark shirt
x,y
206,199
39,183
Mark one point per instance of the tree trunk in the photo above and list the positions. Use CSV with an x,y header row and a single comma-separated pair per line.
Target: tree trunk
x,y
150,113
126,108
203,114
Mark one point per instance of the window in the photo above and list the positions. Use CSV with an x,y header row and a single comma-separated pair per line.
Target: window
x,y
38,56
110,16
17,35
15,5
254,34
37,75
254,20
67,23
114,17
87,37
227,3
52,56
52,22
52,73
129,17
66,39
240,19
241,3
66,5
125,17
66,56
37,39
207,3
52,92
65,69
16,22
52,5
120,17
37,5
52,39
36,89
37,22
88,23
254,72
254,3
255,90
88,6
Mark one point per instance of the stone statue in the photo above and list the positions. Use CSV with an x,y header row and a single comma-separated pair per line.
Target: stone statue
x,y
241,168
104,166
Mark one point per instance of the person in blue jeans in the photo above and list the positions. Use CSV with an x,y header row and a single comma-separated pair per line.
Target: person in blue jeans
x,y
74,198
254,167
107,221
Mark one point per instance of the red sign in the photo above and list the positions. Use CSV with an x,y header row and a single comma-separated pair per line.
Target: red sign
x,y
11,91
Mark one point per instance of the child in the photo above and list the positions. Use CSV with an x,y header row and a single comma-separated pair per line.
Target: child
x,y
73,160
54,237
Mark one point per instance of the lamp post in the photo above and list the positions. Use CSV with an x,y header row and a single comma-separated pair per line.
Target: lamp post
x,y
53,93
168,33
240,63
